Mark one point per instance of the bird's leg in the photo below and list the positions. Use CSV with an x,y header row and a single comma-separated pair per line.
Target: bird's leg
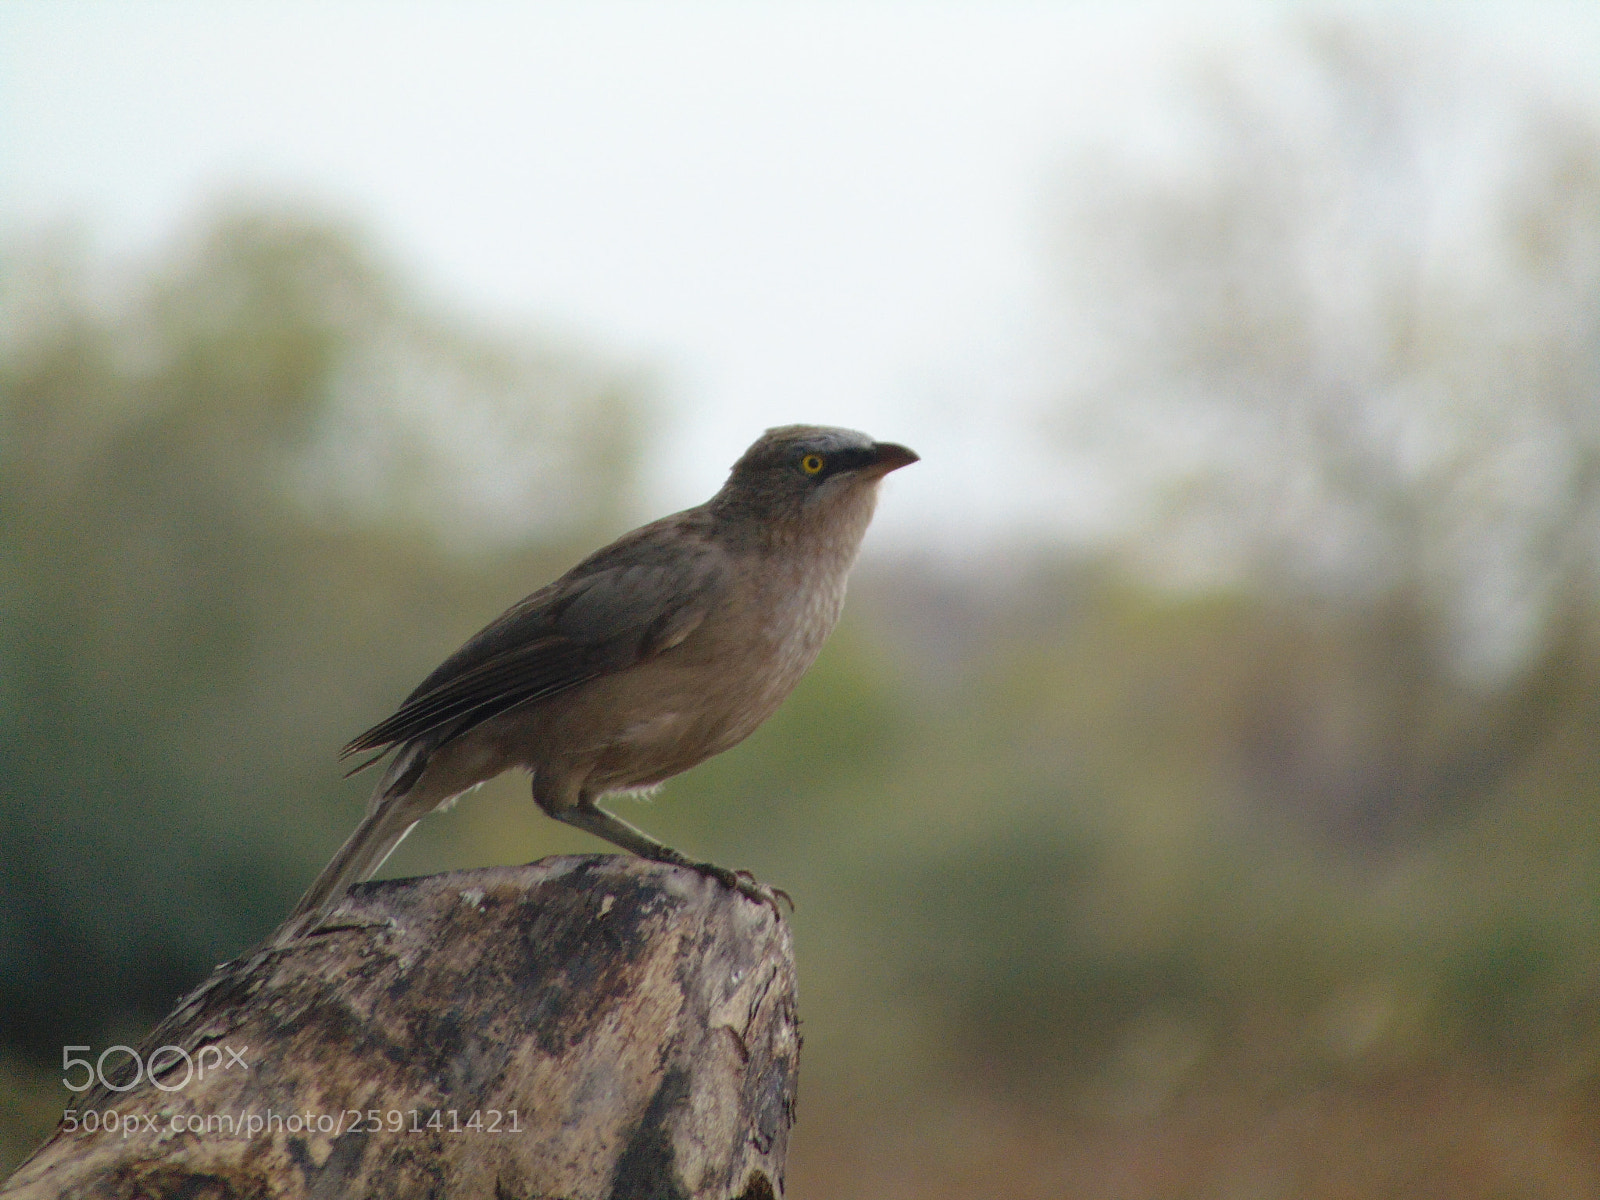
x,y
591,818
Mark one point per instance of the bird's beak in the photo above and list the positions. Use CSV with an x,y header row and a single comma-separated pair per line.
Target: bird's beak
x,y
890,456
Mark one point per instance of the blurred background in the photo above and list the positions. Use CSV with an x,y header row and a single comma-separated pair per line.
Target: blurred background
x,y
1200,797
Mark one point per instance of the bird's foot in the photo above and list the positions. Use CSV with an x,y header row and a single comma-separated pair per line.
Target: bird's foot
x,y
747,884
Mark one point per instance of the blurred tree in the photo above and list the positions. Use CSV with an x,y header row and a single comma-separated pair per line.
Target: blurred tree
x,y
1354,342
234,505
1361,329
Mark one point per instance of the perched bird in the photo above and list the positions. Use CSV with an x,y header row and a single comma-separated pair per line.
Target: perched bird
x,y
668,646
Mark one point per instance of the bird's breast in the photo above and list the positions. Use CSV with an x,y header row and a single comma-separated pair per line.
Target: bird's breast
x,y
713,689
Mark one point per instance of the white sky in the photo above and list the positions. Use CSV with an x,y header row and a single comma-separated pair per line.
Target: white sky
x,y
824,212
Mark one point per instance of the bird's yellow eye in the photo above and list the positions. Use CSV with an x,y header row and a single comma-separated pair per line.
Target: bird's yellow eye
x,y
811,464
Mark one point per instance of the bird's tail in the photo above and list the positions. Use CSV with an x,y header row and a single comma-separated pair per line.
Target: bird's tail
x,y
363,852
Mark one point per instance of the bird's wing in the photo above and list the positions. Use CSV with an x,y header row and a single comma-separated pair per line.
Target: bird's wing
x,y
629,602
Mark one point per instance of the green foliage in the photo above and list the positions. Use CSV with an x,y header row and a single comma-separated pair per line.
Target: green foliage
x,y
193,615
1095,846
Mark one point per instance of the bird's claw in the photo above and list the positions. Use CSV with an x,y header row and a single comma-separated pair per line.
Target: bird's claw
x,y
747,884
764,892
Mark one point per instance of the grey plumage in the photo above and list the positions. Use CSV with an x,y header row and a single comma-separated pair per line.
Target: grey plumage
x,y
664,648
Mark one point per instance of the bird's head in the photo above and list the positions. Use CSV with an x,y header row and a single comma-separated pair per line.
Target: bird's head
x,y
800,480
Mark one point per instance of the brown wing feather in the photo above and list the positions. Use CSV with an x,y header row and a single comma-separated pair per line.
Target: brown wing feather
x,y
611,611
514,677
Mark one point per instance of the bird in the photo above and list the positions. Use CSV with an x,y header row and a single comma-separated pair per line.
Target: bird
x,y
656,652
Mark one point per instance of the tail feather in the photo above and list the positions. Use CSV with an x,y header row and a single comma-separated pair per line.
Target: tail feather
x,y
363,852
